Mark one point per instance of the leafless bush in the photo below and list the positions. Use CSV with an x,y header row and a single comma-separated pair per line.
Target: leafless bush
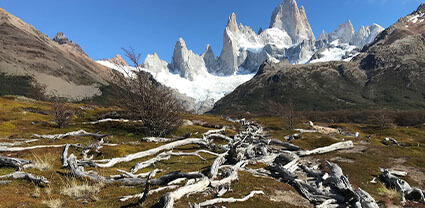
x,y
62,113
287,112
143,98
383,118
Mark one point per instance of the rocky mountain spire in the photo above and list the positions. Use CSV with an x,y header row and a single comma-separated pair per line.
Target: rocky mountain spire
x,y
229,54
366,34
323,36
345,32
210,60
232,24
154,64
288,17
186,63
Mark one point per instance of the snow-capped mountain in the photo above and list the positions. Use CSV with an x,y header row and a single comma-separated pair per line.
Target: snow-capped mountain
x,y
289,38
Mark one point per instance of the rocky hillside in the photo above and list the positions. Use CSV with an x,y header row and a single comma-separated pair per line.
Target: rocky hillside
x,y
387,73
59,64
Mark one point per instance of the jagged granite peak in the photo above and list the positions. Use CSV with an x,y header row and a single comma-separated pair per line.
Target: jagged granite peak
x,y
288,17
61,39
186,63
366,35
232,24
211,62
229,53
154,64
345,33
323,36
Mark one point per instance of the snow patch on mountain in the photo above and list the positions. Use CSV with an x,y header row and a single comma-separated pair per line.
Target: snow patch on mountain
x,y
202,88
335,51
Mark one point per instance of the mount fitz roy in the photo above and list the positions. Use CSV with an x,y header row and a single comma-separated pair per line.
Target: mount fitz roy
x,y
289,38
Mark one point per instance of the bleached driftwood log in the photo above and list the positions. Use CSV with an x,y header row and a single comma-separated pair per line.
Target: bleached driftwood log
x,y
332,190
13,162
287,145
79,133
232,176
159,139
19,149
78,171
139,196
366,200
215,131
323,129
331,148
220,160
169,146
64,156
168,200
12,144
407,192
391,140
166,156
145,164
226,200
113,120
5,182
398,172
39,180
141,175
342,184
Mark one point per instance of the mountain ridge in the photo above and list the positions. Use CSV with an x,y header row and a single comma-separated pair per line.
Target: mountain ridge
x,y
387,73
61,68
288,39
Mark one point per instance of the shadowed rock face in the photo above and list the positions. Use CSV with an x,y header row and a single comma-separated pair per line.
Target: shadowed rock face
x,y
390,72
211,62
60,66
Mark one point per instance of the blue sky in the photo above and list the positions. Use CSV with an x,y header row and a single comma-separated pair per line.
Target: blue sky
x,y
103,27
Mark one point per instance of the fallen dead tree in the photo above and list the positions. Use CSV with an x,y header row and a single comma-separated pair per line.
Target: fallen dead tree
x,y
331,148
78,171
19,149
166,156
39,180
113,120
226,200
170,146
11,144
407,192
79,133
168,200
10,162
248,146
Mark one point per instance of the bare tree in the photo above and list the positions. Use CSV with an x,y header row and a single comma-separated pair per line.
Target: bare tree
x,y
287,112
383,118
143,98
62,113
